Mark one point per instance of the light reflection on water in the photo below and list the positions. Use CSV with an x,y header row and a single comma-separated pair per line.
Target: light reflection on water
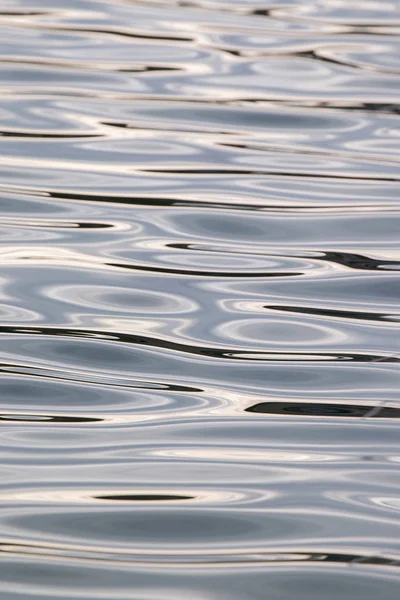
x,y
199,299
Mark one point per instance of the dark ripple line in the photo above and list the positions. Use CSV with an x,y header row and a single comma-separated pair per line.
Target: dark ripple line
x,y
60,375
24,13
353,156
269,173
165,270
197,273
88,65
42,134
155,201
298,557
126,125
314,409
358,261
331,312
315,55
343,105
148,69
310,54
347,259
117,32
143,497
57,224
226,353
21,417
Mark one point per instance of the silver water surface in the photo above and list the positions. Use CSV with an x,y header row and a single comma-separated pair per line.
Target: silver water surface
x,y
199,299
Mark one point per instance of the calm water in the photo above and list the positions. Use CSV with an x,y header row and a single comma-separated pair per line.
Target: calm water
x,y
199,296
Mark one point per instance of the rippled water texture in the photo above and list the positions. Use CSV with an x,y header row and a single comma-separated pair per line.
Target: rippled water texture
x,y
199,300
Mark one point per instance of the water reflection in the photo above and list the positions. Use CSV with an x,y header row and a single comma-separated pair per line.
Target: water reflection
x,y
199,299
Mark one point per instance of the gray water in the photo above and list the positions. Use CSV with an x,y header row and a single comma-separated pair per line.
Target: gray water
x,y
199,300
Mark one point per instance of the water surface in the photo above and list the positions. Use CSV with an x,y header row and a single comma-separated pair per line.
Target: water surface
x,y
199,300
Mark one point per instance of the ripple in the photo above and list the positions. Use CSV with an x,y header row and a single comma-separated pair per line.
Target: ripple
x,y
199,299
152,528
123,300
279,332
